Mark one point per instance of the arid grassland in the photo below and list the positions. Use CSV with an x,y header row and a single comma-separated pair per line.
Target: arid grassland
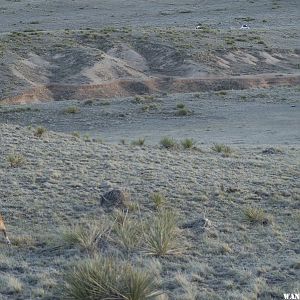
x,y
150,149
236,227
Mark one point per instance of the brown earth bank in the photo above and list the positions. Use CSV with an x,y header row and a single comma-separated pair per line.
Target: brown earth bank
x,y
125,88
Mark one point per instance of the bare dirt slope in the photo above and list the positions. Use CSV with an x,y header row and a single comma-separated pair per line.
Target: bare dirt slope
x,y
109,62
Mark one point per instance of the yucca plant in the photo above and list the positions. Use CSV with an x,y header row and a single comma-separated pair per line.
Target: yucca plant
x,y
106,278
158,199
87,237
128,232
161,235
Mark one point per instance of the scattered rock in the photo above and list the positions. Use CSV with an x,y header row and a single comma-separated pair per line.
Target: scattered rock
x,y
199,225
286,194
106,185
272,150
232,189
114,198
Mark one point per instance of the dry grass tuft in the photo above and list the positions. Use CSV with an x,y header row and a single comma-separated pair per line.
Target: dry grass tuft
x,y
16,160
138,142
14,285
39,131
72,110
168,143
128,232
158,199
188,143
161,236
257,215
221,148
106,278
86,236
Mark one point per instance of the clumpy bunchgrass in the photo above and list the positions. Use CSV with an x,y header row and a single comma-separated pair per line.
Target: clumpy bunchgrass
x,y
180,105
221,148
222,93
39,131
138,142
16,160
167,142
158,200
72,110
188,143
107,278
14,284
76,134
256,215
182,112
87,237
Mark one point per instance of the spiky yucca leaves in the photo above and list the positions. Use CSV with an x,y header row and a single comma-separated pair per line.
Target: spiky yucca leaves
x,y
128,231
106,278
159,200
161,235
86,236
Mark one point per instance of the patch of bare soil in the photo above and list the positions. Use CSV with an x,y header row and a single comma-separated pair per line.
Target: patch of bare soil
x,y
125,88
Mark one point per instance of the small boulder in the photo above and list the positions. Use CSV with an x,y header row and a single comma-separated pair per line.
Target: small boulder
x,y
115,198
198,225
272,150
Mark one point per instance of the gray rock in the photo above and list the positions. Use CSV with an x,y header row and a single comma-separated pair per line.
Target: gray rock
x,y
115,198
272,150
199,225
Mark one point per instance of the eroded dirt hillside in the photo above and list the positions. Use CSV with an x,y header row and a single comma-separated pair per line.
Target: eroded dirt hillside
x,y
39,66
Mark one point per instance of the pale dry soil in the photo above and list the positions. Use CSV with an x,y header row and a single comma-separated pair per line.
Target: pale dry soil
x,y
257,116
75,14
63,176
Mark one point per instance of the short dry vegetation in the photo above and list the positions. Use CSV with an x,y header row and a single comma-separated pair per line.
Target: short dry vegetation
x,y
16,160
168,142
107,278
